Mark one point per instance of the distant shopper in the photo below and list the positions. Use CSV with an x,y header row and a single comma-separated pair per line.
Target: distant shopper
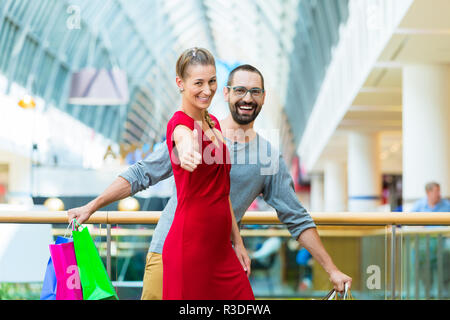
x,y
433,201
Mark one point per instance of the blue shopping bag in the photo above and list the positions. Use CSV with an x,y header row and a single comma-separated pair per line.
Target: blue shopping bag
x,y
49,287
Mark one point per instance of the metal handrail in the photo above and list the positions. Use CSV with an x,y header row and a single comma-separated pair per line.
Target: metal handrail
x,y
250,217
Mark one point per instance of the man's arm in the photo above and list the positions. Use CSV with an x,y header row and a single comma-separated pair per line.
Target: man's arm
x,y
153,169
310,240
156,167
280,194
118,190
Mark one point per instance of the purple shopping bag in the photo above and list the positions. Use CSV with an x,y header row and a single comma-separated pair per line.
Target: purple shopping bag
x,y
68,284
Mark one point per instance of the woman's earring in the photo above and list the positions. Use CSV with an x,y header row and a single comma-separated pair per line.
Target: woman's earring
x,y
181,90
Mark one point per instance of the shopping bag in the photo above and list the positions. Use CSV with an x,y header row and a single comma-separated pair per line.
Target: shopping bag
x,y
49,286
68,284
94,278
334,295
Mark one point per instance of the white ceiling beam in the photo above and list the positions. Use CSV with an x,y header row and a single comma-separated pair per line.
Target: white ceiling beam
x,y
375,108
427,32
388,65
370,123
380,90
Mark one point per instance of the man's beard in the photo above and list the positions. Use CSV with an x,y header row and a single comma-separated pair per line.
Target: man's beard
x,y
243,119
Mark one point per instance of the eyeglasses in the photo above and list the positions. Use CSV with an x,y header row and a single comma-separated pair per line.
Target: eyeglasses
x,y
242,91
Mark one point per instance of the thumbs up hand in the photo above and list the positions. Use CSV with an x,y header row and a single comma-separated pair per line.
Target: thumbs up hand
x,y
195,141
190,156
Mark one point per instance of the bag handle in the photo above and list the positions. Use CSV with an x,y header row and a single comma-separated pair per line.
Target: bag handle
x,y
345,290
76,225
347,293
333,295
70,224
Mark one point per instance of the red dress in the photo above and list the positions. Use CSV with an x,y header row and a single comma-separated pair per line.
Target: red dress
x,y
199,262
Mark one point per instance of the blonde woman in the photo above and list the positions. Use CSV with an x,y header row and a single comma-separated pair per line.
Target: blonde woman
x,y
198,258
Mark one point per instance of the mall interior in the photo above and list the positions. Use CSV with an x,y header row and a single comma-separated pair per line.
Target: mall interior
x,y
357,102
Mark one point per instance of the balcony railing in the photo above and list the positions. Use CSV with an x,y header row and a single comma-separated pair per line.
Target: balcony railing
x,y
251,217
412,260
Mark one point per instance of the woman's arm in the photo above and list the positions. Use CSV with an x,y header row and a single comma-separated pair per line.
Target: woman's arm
x,y
238,243
187,147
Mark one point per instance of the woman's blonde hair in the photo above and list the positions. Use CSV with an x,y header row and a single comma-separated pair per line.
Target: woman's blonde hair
x,y
194,56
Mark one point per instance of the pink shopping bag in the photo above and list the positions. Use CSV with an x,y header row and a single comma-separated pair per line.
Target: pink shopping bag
x,y
68,284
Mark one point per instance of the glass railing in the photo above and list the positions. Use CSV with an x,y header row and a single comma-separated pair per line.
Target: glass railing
x,y
425,262
388,255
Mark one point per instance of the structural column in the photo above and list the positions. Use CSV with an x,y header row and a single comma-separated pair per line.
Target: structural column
x,y
426,130
316,201
364,172
335,186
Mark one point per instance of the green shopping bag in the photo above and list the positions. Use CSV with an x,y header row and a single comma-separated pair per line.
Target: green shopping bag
x,y
93,276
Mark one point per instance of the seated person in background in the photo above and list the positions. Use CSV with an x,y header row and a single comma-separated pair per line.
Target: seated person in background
x,y
268,248
433,201
305,262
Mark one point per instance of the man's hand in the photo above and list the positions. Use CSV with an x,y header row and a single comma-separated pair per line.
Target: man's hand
x,y
190,156
243,257
338,279
81,214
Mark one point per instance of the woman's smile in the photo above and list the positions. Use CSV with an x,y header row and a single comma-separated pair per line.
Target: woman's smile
x,y
203,99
